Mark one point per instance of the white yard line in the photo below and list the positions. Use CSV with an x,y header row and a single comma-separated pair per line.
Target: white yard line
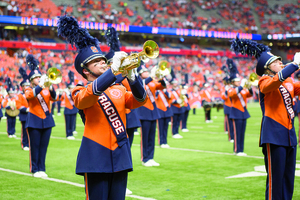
x,y
67,182
173,148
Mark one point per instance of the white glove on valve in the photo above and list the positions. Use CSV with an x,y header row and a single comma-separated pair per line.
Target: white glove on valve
x,y
297,58
43,80
117,61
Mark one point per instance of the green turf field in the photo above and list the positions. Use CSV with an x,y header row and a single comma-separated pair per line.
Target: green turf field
x,y
195,167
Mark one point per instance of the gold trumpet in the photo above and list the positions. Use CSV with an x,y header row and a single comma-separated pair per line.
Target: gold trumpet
x,y
252,81
163,69
54,75
150,51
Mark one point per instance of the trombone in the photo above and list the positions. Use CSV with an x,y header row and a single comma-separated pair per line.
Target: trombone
x,y
163,69
150,51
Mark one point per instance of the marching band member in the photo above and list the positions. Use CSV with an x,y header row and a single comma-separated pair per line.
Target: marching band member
x,y
195,98
206,102
104,157
177,109
1,113
148,115
70,111
228,126
278,138
39,119
165,112
23,107
186,109
238,111
9,103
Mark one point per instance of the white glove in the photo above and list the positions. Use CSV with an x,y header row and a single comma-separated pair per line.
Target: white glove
x,y
243,82
179,101
117,61
44,79
131,74
183,91
297,58
27,109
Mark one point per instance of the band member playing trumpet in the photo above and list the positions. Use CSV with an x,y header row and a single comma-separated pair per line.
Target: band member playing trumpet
x,y
104,157
206,102
70,111
238,111
277,136
23,107
11,111
148,115
177,107
39,119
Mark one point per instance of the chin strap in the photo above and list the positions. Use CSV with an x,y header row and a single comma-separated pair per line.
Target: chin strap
x,y
87,69
274,73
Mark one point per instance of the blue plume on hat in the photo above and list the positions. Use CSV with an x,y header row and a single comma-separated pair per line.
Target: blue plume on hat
x,y
248,47
32,62
23,73
25,77
10,88
225,70
232,68
87,46
112,39
71,79
68,28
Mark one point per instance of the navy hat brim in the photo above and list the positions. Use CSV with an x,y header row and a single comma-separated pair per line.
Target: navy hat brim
x,y
86,55
264,61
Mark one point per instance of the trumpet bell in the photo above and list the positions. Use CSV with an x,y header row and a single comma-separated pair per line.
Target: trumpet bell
x,y
151,49
164,67
54,75
253,77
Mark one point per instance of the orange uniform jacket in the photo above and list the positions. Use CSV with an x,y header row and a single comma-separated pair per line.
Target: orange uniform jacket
x,y
39,115
277,126
238,97
105,149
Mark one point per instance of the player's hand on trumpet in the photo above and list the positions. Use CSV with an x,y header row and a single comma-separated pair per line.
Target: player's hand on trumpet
x,y
132,74
117,61
44,81
297,59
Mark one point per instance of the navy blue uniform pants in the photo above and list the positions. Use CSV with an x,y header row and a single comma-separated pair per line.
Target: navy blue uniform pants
x,y
130,133
194,111
280,162
184,118
175,123
207,114
24,135
58,103
11,125
39,140
163,125
106,186
70,120
148,139
239,128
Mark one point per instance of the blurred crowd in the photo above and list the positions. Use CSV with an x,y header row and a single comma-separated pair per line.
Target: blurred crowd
x,y
199,70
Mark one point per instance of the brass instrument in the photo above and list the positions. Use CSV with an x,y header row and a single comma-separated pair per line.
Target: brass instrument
x,y
182,97
252,81
150,50
163,69
13,111
54,76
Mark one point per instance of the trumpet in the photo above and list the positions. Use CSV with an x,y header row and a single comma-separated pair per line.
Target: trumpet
x,y
150,51
54,75
182,96
163,69
252,81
